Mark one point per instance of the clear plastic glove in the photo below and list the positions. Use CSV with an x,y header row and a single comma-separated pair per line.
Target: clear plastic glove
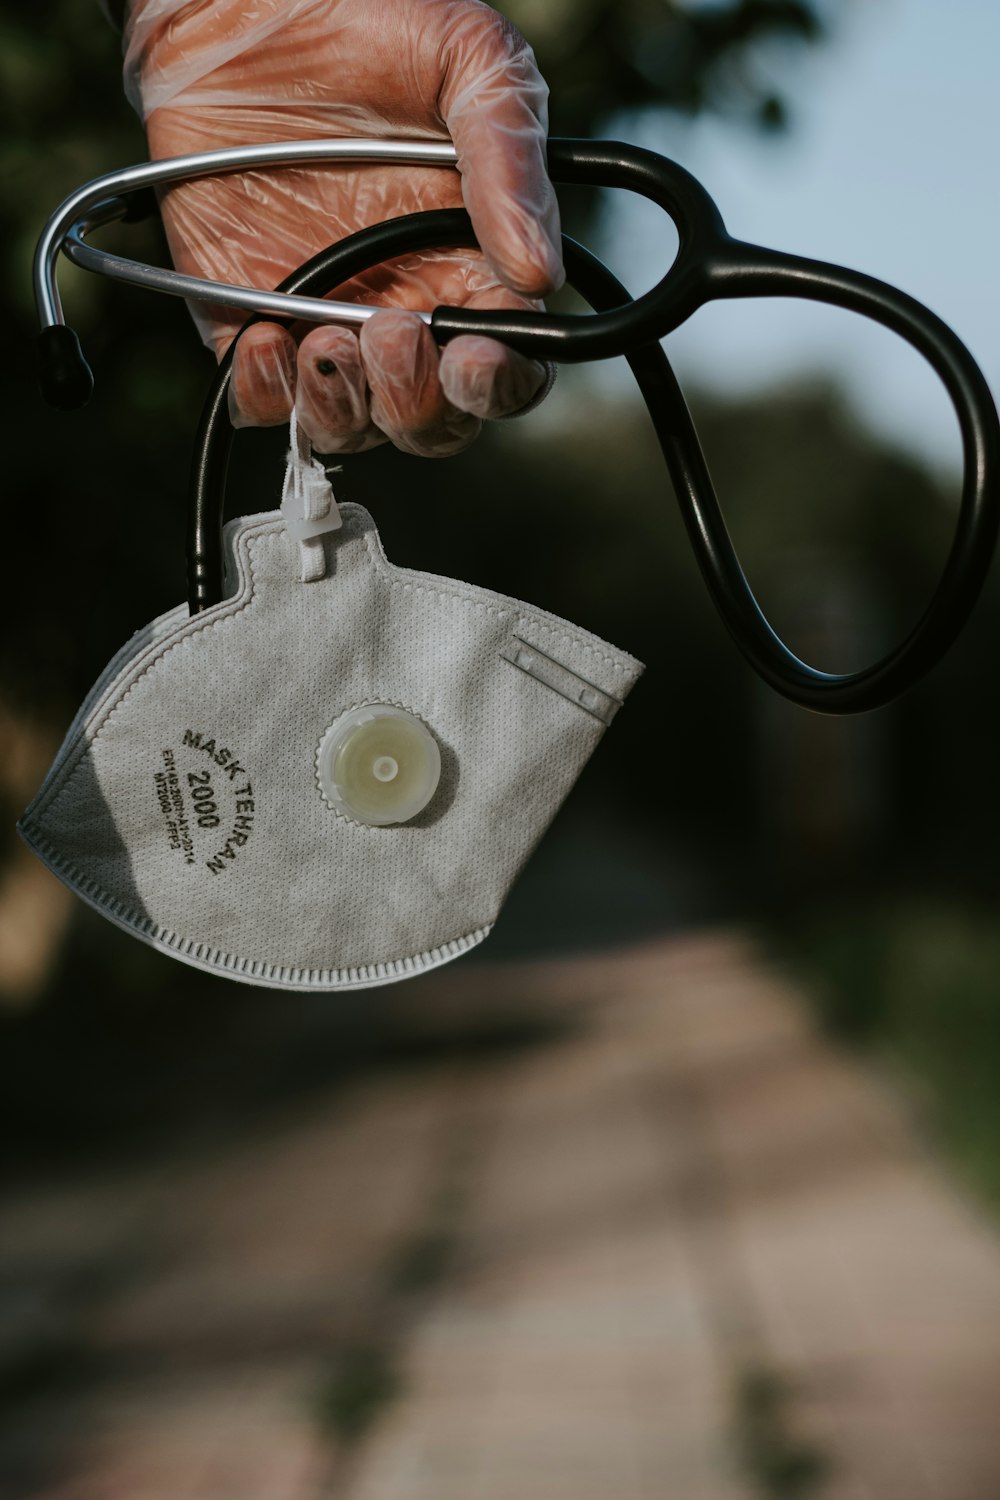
x,y
238,72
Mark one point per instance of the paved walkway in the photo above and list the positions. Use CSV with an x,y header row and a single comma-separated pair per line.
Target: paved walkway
x,y
676,1248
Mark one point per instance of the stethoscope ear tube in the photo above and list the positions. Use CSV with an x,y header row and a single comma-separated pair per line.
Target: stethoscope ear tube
x,y
832,693
65,377
569,338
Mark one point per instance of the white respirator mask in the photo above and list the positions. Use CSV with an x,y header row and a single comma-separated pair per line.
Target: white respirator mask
x,y
332,777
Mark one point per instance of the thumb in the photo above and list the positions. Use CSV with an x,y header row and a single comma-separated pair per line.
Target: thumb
x,y
495,105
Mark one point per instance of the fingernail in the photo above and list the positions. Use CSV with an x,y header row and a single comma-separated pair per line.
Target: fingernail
x,y
402,395
524,381
236,417
262,390
479,389
548,257
272,372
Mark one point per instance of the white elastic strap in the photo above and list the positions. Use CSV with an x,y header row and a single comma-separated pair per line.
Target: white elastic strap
x,y
307,503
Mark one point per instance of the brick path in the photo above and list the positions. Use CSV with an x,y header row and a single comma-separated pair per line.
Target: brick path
x,y
683,1249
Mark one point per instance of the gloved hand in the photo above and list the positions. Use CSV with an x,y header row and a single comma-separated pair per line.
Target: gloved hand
x,y
244,71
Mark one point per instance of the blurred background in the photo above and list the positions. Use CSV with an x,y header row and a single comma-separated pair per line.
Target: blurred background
x,y
686,1183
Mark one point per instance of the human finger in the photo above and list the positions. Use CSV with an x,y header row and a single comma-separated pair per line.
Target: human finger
x,y
484,377
332,393
262,387
495,105
408,404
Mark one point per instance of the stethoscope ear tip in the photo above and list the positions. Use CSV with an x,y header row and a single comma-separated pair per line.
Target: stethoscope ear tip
x,y
63,373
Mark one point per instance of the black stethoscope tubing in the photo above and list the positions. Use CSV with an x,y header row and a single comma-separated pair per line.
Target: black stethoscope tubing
x,y
966,568
709,266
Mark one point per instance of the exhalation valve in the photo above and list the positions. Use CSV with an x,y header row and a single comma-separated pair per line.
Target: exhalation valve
x,y
378,764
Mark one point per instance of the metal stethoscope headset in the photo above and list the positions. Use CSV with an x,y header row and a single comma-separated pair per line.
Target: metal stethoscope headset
x,y
709,266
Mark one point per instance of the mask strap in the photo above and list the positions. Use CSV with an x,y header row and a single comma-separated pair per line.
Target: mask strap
x,y
307,503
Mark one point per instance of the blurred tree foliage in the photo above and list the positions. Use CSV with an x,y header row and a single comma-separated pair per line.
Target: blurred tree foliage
x,y
603,56
918,982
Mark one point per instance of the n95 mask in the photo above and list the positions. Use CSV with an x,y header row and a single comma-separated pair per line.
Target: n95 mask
x,y
332,778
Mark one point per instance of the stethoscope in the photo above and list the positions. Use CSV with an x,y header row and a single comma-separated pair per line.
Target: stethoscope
x,y
709,266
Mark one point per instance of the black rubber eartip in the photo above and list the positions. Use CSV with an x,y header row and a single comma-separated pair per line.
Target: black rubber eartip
x,y
63,373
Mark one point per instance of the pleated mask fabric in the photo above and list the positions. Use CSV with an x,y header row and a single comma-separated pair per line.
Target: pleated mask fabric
x,y
191,803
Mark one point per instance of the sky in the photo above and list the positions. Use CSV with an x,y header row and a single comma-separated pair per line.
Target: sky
x,y
890,167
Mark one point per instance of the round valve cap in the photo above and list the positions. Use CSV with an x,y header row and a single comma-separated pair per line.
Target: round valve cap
x,y
378,764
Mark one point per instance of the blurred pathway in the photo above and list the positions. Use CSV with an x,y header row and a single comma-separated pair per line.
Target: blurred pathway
x,y
681,1250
